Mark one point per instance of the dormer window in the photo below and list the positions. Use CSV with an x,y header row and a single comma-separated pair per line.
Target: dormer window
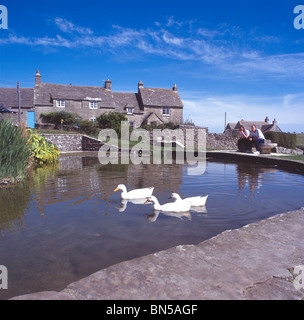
x,y
130,110
60,103
93,105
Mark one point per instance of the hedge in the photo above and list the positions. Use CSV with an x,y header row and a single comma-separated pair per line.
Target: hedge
x,y
286,140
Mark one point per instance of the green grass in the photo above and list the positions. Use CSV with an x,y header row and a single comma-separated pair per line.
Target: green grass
x,y
53,131
300,139
298,157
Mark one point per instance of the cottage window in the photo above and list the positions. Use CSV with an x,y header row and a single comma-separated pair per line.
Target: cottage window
x,y
132,124
93,119
93,105
130,110
60,103
166,111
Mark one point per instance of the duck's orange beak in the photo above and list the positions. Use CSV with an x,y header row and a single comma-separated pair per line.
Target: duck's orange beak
x,y
116,190
147,201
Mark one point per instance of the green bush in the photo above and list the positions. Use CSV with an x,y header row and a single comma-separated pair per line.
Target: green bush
x,y
286,140
43,151
150,127
111,120
15,152
56,117
88,127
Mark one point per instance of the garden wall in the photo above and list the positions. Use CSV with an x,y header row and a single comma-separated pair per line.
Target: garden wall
x,y
65,142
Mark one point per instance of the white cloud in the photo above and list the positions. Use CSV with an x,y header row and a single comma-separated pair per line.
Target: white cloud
x,y
69,27
224,48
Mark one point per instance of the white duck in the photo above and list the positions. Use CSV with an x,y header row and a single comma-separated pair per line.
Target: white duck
x,y
134,194
177,206
194,201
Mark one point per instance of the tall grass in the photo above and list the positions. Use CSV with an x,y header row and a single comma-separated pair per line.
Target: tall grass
x,y
15,154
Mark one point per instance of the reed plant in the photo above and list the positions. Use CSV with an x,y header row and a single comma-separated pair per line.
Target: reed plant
x,y
15,153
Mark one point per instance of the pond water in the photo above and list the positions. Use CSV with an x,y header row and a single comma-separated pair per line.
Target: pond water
x,y
66,222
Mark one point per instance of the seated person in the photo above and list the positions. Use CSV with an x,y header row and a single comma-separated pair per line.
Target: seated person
x,y
257,137
243,142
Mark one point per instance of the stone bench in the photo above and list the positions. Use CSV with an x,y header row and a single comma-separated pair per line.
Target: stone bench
x,y
267,147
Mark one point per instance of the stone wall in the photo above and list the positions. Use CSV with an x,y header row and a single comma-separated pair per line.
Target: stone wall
x,y
73,142
217,141
78,142
214,141
90,144
65,142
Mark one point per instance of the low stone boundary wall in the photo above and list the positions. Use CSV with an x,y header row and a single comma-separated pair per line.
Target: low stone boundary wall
x,y
79,142
217,141
73,142
65,142
214,141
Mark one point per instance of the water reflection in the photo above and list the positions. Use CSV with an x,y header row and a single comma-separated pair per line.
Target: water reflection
x,y
78,180
180,215
66,222
15,200
250,176
124,203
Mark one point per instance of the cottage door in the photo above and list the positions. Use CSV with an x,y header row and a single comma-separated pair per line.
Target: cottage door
x,y
31,119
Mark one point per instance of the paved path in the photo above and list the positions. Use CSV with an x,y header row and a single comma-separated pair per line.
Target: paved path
x,y
253,262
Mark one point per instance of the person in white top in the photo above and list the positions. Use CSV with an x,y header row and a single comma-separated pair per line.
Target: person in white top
x,y
256,136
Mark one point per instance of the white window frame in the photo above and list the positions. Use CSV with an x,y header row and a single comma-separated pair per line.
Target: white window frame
x,y
166,111
130,110
60,103
93,105
93,119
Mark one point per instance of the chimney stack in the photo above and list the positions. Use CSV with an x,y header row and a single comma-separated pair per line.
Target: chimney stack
x,y
175,88
140,85
108,85
267,119
37,78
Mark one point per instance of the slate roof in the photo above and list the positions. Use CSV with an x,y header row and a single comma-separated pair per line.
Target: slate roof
x,y
152,115
152,97
231,125
9,97
124,100
262,125
45,93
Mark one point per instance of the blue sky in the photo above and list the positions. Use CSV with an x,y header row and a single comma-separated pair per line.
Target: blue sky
x,y
244,58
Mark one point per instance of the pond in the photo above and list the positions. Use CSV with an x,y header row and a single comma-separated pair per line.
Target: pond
x,y
66,222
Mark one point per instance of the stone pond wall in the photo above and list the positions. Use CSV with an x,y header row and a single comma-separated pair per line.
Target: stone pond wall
x,y
78,142
65,142
214,141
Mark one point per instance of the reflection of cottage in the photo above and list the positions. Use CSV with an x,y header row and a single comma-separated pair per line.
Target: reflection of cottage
x,y
264,126
148,105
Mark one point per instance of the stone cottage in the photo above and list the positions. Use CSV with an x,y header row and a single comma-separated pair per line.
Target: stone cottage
x,y
9,99
264,126
147,106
